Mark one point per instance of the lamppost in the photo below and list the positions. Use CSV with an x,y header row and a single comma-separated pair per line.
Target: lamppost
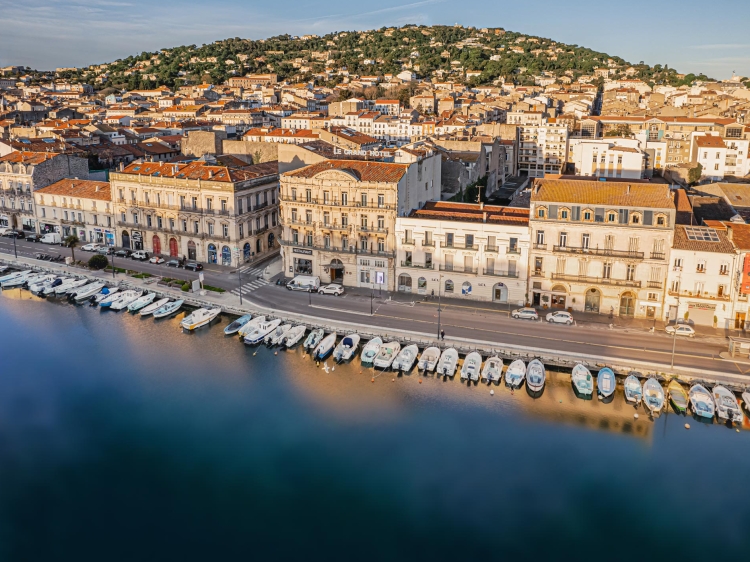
x,y
239,274
440,286
674,334
113,262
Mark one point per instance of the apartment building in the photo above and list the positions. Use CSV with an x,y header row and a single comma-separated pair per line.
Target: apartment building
x,y
608,158
22,173
600,247
720,157
467,250
204,212
339,217
542,149
76,207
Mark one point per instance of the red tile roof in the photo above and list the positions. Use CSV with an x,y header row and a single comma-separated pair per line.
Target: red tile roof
x,y
472,212
378,172
203,171
85,189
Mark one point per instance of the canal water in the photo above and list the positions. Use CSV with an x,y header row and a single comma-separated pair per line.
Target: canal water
x,y
122,438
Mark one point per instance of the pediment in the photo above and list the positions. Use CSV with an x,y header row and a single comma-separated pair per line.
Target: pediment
x,y
336,175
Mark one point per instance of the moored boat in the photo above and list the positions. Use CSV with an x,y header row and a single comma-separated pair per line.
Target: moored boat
x,y
535,375
582,380
448,362
14,276
493,369
153,307
428,359
69,286
678,396
371,350
516,373
702,401
313,339
405,359
168,309
276,336
105,293
125,298
235,326
386,355
260,331
472,367
87,291
293,336
141,302
653,395
633,389
727,407
605,382
38,284
325,346
250,326
346,349
199,318
746,401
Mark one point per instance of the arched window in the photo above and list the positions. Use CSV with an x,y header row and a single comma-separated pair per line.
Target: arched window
x,y
211,253
466,288
226,256
259,245
448,286
587,215
541,212
422,285
246,251
271,240
404,283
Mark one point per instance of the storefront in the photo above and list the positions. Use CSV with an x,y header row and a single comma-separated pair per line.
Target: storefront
x,y
136,238
372,273
701,313
45,227
28,225
302,262
4,220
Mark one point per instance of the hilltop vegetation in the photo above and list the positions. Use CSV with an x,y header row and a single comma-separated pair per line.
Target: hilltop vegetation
x,y
436,52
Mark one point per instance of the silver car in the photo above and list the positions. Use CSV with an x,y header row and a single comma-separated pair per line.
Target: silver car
x,y
525,313
332,289
560,317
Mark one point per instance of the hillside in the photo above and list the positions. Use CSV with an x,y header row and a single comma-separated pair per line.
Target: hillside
x,y
436,52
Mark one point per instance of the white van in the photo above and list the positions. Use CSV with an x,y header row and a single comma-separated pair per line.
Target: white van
x,y
304,283
51,238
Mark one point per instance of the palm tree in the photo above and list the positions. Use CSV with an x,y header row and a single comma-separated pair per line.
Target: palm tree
x,y
72,242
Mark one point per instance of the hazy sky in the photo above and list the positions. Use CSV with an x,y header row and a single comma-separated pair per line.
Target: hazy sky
x,y
689,35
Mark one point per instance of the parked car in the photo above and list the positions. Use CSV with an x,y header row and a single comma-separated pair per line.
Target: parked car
x,y
4,230
194,266
173,263
156,260
123,253
33,237
139,255
91,247
105,250
14,234
525,313
560,317
332,289
680,330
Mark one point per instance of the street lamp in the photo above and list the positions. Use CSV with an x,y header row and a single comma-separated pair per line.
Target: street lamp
x,y
440,286
239,274
113,264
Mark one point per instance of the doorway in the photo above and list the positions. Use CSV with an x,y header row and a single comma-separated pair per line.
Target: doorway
x,y
593,300
739,321
125,239
156,243
627,304
173,250
337,270
500,293
211,253
191,251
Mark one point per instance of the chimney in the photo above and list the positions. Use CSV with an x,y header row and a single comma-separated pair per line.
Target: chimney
x,y
481,204
730,234
484,216
122,166
210,174
628,191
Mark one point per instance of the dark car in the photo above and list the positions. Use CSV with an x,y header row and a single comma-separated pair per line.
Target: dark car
x,y
33,237
173,263
123,253
106,250
194,266
14,234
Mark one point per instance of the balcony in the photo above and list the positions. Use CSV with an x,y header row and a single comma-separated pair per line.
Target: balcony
x,y
260,206
334,226
407,241
539,246
428,244
699,295
458,269
658,256
474,247
417,265
596,280
599,252
491,248
498,273
513,250
373,229
261,230
654,284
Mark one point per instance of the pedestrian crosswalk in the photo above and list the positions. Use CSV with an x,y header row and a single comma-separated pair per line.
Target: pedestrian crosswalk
x,y
252,270
254,280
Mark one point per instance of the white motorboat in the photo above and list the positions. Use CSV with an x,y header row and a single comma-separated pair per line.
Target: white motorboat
x,y
493,369
113,296
746,401
39,287
38,284
75,290
65,288
313,339
153,307
429,359
87,291
404,361
325,346
346,349
126,297
105,293
516,373
168,309
15,275
653,395
472,367
59,282
3,268
633,389
386,355
371,350
234,327
702,401
448,362
17,280
727,407
606,382
277,335
141,302
199,318
250,326
535,375
260,331
582,380
293,336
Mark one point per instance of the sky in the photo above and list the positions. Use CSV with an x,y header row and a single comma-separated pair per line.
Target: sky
x,y
688,35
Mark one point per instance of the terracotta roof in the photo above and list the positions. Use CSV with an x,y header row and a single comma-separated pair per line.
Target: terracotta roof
x,y
379,172
85,189
472,212
740,235
28,157
199,170
682,241
683,207
618,194
707,141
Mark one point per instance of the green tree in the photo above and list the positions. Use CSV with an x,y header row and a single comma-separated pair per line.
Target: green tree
x,y
694,174
72,242
98,261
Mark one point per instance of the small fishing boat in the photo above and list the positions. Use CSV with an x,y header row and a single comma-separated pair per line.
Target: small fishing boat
x,y
69,286
293,336
701,401
516,373
73,293
346,349
727,407
633,389
448,362
110,299
428,360
653,395
746,400
582,380
126,297
371,350
313,339
168,309
275,337
678,396
199,318
13,276
325,346
24,281
260,331
40,283
39,288
472,367
250,326
141,302
493,369
535,375
105,293
404,361
87,291
235,326
605,382
386,355
153,307
58,283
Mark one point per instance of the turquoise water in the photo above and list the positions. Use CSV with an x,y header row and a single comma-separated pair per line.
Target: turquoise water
x,y
122,438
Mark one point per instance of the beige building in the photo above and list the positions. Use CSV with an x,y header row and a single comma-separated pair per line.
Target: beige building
x,y
542,149
339,217
204,212
600,247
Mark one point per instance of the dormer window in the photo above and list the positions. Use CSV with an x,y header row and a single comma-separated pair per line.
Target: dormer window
x,y
564,214
635,218
541,212
587,215
611,216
